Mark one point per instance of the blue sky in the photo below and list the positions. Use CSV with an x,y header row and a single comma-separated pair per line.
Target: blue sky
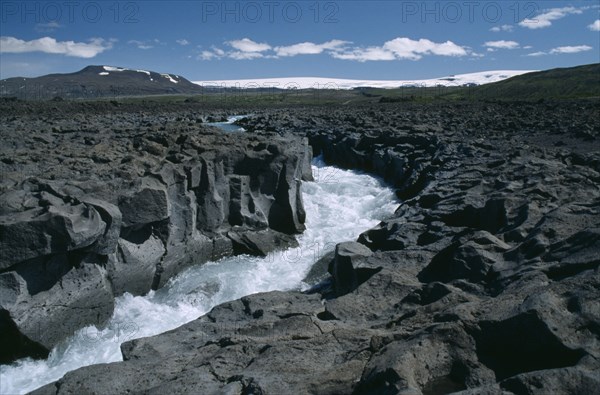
x,y
205,40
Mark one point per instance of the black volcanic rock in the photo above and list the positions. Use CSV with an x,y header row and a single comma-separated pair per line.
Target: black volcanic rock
x,y
54,226
75,231
344,266
485,280
260,243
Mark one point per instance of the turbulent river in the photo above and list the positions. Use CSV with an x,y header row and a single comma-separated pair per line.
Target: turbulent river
x,y
339,206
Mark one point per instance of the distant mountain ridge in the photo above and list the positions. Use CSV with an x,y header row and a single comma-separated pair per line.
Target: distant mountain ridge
x,y
111,81
560,83
98,81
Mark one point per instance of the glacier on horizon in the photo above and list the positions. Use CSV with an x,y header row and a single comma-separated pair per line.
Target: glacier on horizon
x,y
480,78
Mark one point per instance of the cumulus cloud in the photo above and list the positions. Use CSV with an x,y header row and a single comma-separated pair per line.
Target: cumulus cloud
x,y
365,54
595,27
571,49
241,55
141,44
398,48
247,45
90,49
244,49
545,19
539,53
207,55
182,42
308,48
405,48
146,44
47,27
214,53
502,28
218,51
501,44
402,48
568,49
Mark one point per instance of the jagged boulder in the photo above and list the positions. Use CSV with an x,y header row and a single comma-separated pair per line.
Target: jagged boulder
x,y
471,257
343,269
48,230
133,266
146,202
45,302
260,243
111,215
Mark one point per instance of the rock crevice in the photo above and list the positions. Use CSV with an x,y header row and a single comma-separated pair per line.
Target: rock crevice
x,y
88,239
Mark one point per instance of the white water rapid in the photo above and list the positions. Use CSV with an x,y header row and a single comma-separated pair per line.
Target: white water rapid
x,y
339,206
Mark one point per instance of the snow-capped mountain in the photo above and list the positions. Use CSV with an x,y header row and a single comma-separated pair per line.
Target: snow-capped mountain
x,y
98,81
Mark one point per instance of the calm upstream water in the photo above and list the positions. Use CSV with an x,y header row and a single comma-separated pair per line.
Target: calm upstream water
x,y
229,125
339,206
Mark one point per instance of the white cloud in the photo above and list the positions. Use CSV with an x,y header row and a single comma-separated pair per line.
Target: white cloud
x,y
365,54
502,44
241,55
571,49
563,50
405,48
90,49
214,53
595,27
247,45
183,42
308,48
207,55
146,44
545,19
398,48
245,49
502,28
401,48
47,27
140,44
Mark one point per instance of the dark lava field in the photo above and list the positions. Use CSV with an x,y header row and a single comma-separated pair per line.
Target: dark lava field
x,y
486,279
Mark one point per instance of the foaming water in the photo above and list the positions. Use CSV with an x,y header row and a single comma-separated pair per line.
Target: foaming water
x,y
339,206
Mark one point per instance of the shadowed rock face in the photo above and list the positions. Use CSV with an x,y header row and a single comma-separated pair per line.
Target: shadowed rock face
x,y
486,280
75,232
